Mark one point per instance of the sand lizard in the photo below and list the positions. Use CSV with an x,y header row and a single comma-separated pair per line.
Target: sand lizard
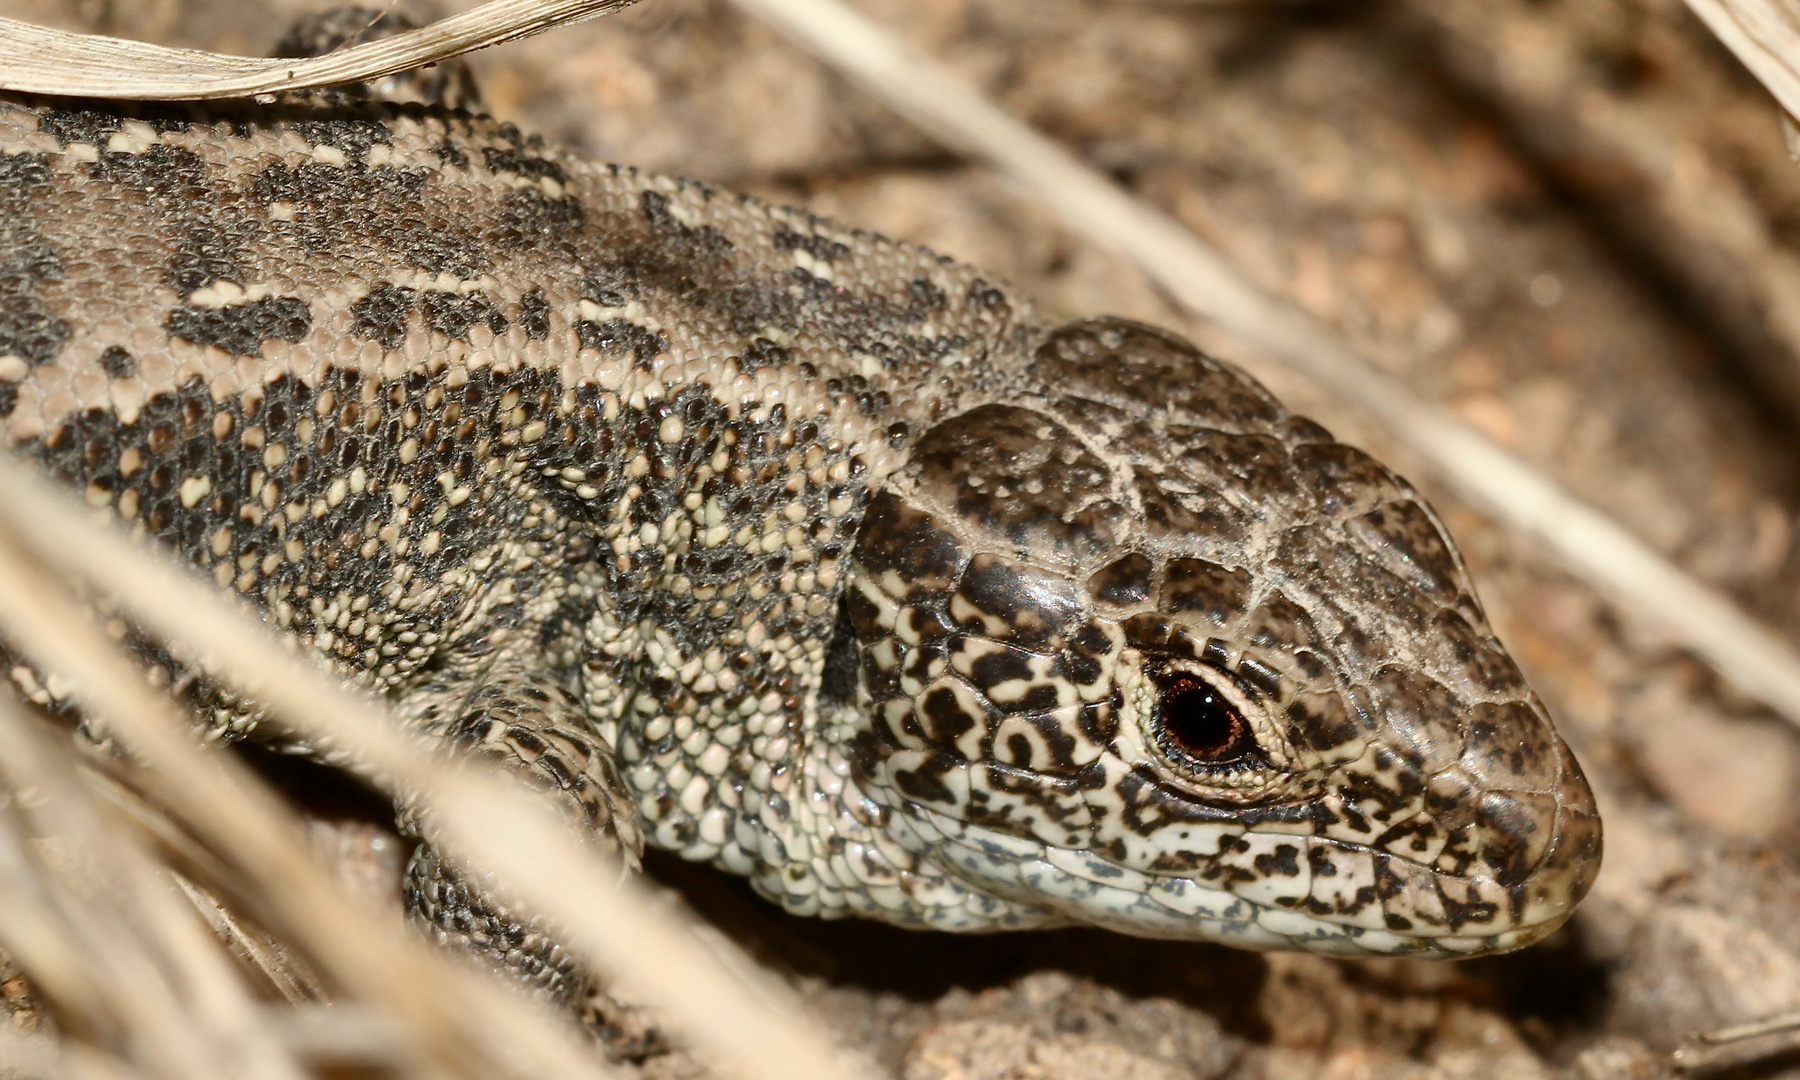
x,y
772,542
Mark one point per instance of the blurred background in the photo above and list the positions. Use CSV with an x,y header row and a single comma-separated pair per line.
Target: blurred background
x,y
1574,222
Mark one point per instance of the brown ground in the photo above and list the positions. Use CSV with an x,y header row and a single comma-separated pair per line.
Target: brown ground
x,y
1574,221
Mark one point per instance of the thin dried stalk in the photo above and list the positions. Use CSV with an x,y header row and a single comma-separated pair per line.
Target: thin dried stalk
x,y
117,946
285,974
741,1017
1209,285
1738,1045
448,1022
38,60
1765,37
291,980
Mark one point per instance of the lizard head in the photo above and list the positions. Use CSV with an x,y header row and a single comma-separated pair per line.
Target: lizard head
x,y
1144,650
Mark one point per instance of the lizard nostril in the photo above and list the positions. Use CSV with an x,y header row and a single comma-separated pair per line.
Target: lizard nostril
x,y
1198,721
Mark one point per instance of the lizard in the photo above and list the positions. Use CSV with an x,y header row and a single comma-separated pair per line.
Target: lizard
x,y
768,541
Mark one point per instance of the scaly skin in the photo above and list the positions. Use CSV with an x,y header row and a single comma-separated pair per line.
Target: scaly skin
x,y
774,543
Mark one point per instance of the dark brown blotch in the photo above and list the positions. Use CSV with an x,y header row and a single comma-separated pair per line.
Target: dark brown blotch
x,y
1488,668
1281,624
1196,587
1424,719
1254,466
1124,582
1343,480
1000,665
1516,827
909,542
945,719
1511,747
926,783
1284,861
1021,475
1320,721
622,336
1190,513
453,314
1035,606
1405,541
381,315
241,329
118,363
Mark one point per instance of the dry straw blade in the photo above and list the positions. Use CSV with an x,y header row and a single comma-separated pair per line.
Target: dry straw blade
x,y
739,1016
1765,37
106,936
38,60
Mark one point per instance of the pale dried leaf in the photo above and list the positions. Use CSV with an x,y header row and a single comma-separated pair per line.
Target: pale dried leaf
x,y
1765,36
38,60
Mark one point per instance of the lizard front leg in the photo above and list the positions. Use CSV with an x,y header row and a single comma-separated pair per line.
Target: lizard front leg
x,y
521,717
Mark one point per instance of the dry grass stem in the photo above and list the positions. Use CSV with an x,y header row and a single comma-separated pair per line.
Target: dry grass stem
x,y
1765,37
34,59
741,1017
107,936
291,980
115,780
1210,286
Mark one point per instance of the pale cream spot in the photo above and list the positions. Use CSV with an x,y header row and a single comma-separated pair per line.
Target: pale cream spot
x,y
224,293
818,268
193,489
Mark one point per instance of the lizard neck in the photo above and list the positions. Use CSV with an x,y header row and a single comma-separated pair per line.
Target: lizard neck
x,y
805,831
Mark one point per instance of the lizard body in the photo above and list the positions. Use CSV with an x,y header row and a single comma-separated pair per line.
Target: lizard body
x,y
771,542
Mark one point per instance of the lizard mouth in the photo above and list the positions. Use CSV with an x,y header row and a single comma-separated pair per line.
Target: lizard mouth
x,y
1285,881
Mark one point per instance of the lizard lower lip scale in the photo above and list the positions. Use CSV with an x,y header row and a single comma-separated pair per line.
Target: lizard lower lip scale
x,y
754,537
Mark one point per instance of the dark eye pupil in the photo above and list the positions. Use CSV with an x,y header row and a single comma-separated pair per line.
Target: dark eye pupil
x,y
1200,722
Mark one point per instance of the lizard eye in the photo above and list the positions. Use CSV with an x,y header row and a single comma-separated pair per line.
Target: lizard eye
x,y
1199,727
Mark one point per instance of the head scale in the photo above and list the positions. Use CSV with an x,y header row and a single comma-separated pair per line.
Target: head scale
x,y
1145,651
